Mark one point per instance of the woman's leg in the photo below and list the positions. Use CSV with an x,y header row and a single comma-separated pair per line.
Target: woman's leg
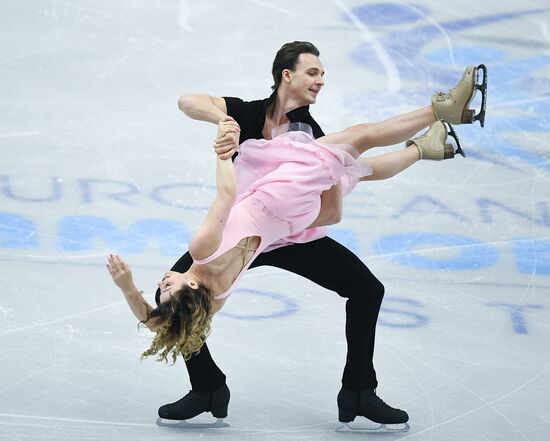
x,y
389,164
388,132
452,107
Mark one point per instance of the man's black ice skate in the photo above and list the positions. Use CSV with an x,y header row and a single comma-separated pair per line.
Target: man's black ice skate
x,y
193,404
369,405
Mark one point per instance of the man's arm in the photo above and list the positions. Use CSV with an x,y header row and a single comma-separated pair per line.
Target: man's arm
x,y
203,107
211,109
331,207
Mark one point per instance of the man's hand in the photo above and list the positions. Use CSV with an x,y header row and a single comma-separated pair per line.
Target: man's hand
x,y
120,272
227,139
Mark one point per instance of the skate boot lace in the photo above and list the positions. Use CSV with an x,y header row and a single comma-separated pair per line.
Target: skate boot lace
x,y
188,399
442,96
380,400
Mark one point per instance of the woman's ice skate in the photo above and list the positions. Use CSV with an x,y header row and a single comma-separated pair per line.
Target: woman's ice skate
x,y
194,403
432,144
453,106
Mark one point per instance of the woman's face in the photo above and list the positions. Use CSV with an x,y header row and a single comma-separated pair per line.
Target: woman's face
x,y
172,282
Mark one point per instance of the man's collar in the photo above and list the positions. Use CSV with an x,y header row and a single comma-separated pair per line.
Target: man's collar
x,y
297,115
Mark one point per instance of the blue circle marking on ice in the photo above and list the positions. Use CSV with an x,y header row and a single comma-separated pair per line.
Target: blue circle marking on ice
x,y
288,306
466,55
395,317
383,14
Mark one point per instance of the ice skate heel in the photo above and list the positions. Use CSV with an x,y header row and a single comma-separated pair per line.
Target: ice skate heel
x,y
345,415
454,106
432,145
219,402
348,405
220,412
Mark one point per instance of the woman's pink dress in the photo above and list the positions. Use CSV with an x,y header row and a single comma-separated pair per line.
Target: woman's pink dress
x,y
279,185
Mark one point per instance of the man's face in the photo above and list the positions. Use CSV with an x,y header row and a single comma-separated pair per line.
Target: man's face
x,y
306,80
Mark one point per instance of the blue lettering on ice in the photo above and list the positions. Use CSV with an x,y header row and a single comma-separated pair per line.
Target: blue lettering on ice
x,y
543,217
403,248
55,194
532,256
414,319
516,314
17,232
288,306
429,206
182,190
77,233
126,189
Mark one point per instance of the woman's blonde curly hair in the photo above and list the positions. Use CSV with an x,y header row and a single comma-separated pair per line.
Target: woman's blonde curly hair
x,y
183,324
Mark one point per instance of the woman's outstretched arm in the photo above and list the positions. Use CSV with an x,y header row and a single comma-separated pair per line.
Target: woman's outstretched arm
x,y
208,238
122,277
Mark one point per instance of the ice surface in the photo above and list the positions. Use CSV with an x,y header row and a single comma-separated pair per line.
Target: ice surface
x,y
96,157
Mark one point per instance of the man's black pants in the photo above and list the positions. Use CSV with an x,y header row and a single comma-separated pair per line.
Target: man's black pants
x,y
332,266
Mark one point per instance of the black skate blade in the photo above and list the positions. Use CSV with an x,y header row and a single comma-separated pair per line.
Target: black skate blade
x,y
373,428
482,87
186,424
454,136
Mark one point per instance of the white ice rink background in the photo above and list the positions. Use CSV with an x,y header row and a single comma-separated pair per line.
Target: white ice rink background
x,y
95,157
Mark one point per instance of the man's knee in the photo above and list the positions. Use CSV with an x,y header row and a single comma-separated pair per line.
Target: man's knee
x,y
369,291
379,292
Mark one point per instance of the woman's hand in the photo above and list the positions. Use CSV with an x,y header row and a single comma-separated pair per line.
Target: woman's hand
x,y
122,276
227,139
120,272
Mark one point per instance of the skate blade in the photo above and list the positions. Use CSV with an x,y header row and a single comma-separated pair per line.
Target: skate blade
x,y
376,428
482,87
185,424
455,142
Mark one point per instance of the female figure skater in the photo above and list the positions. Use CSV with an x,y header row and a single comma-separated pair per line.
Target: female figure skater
x,y
283,186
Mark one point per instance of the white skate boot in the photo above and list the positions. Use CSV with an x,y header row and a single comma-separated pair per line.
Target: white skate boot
x,y
453,106
432,144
